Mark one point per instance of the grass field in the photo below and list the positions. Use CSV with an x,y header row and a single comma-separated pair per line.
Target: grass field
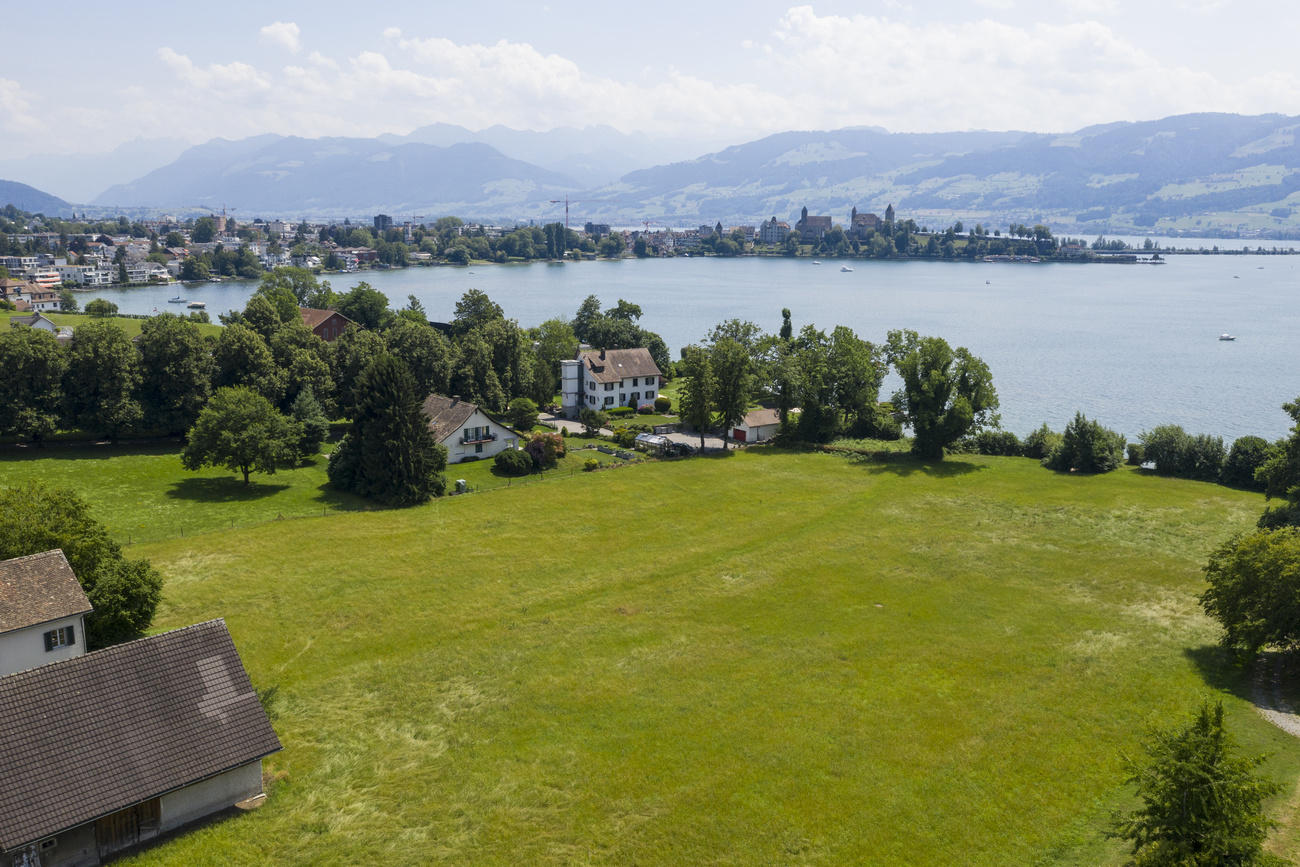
x,y
128,324
767,658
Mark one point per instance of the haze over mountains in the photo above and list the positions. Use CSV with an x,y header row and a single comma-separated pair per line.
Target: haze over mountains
x,y
1188,174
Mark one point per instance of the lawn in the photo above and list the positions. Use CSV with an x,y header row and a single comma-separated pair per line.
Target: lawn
x,y
764,658
129,324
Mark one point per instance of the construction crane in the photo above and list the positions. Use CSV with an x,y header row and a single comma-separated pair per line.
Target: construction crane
x,y
566,211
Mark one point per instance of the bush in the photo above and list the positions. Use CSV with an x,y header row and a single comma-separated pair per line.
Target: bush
x,y
878,424
1086,447
663,404
645,409
513,462
564,432
1204,458
1136,457
1247,455
619,411
590,464
522,414
1254,590
101,307
997,442
592,420
624,437
1040,443
545,449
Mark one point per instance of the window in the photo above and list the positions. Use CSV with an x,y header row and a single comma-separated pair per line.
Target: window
x,y
609,386
649,395
591,400
634,380
591,386
609,401
478,448
64,636
636,395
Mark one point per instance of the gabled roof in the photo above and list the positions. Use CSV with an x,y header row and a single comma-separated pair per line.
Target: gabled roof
x,y
761,417
618,363
29,320
312,317
448,414
97,733
39,588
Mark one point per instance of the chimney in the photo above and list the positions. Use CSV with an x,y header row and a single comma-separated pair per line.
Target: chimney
x,y
455,399
602,355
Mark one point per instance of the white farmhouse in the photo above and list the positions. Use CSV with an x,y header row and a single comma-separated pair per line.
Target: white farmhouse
x,y
606,378
42,612
467,431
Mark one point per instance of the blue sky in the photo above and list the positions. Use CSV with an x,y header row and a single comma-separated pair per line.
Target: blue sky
x,y
84,78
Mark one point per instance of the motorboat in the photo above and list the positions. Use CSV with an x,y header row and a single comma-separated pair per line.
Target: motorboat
x,y
845,268
177,300
1226,336
196,305
816,261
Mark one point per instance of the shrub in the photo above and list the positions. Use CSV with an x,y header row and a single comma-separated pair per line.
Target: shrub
x,y
663,404
564,432
1254,590
997,442
590,464
1247,455
545,449
100,307
1086,447
592,420
1136,457
1165,446
645,409
1204,458
513,462
625,437
1040,443
522,414
619,411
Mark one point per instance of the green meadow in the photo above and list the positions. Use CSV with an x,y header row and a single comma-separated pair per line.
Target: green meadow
x,y
767,658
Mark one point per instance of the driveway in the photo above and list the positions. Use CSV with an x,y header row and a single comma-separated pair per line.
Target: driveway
x,y
711,441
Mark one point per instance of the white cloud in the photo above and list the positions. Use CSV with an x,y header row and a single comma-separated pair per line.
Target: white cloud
x,y
283,33
392,33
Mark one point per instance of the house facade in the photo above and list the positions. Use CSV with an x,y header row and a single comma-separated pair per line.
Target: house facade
x,y
42,612
811,228
606,378
328,325
467,432
773,232
110,749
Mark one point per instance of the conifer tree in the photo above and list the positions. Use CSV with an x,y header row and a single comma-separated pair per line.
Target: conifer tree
x,y
389,454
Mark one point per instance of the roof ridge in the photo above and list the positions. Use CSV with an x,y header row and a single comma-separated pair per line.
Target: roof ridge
x,y
115,648
35,556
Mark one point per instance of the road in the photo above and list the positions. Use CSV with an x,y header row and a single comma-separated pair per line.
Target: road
x,y
711,441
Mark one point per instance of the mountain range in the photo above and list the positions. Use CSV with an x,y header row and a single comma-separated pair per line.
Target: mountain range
x,y
1188,174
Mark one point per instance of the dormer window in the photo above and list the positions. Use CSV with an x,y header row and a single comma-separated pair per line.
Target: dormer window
x,y
64,636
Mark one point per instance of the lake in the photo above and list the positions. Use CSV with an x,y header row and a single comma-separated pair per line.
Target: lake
x,y
1133,346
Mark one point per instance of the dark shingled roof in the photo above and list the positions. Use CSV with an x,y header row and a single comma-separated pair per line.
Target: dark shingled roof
x,y
446,414
97,733
39,588
313,317
618,363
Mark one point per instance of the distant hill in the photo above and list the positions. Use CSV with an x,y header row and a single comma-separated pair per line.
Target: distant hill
x,y
30,199
1189,174
277,175
78,177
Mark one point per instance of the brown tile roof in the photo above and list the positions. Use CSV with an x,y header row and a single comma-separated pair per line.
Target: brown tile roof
x,y
97,733
618,363
759,417
311,317
39,588
446,414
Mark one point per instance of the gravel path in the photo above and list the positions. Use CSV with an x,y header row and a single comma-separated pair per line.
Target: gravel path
x,y
1267,694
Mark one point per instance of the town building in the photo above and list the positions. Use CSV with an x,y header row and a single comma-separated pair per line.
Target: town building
x,y
773,232
812,228
596,230
861,225
467,432
606,378
383,223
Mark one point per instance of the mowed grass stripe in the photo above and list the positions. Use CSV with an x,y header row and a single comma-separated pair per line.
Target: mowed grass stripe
x,y
768,658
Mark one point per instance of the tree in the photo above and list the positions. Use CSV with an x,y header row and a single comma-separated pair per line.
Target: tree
x,y
1254,589
124,593
205,229
625,310
475,309
240,430
389,454
1086,447
101,308
194,269
592,420
67,301
588,313
696,398
99,383
1165,446
33,373
522,413
1202,804
176,371
353,351
312,425
733,383
946,393
1280,474
300,282
426,353
1247,455
242,358
365,306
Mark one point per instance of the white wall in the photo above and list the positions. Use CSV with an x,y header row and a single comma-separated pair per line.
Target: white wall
x,y
215,793
457,452
25,648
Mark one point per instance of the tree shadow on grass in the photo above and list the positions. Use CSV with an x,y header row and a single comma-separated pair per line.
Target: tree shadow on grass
x,y
1221,669
222,489
906,465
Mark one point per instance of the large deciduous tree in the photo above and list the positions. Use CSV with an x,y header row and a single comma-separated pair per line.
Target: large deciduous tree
x,y
695,400
242,358
176,372
1202,803
389,454
1280,475
124,593
241,430
366,306
100,381
1254,589
733,375
32,366
946,393
425,352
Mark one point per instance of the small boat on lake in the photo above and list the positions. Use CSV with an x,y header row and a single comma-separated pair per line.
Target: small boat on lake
x,y
1226,336
196,305
845,268
177,300
816,262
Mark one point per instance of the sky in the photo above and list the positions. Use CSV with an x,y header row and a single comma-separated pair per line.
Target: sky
x,y
719,73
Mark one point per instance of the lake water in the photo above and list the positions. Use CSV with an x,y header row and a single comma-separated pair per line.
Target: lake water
x,y
1133,346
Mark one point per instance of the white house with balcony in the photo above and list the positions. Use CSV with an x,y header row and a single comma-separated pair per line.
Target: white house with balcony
x,y
466,430
605,378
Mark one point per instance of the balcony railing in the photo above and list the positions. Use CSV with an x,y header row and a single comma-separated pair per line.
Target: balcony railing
x,y
469,440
